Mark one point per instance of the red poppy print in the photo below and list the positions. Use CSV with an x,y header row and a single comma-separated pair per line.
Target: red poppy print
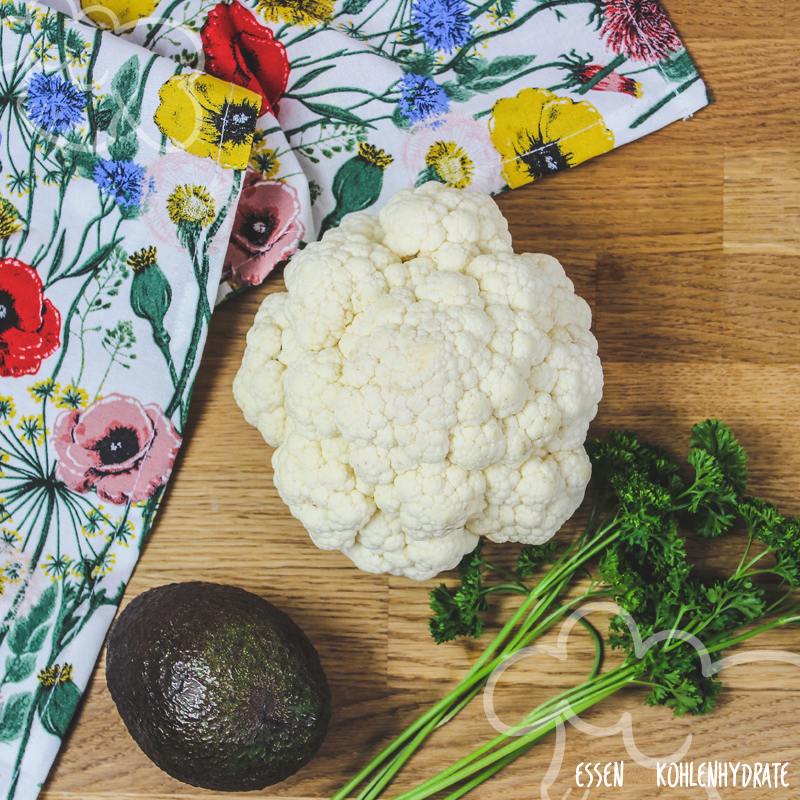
x,y
239,49
29,324
266,230
613,82
120,448
639,29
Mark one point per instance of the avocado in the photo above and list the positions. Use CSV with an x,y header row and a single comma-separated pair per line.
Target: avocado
x,y
220,688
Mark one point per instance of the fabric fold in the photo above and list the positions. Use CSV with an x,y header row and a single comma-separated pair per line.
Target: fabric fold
x,y
371,96
121,175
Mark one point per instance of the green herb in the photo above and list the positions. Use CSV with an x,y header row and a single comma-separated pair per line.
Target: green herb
x,y
672,623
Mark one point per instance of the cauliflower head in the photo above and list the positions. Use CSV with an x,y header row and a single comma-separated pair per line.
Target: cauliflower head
x,y
423,385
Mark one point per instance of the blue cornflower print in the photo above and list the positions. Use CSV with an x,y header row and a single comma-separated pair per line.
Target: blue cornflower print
x,y
123,180
421,97
443,24
54,104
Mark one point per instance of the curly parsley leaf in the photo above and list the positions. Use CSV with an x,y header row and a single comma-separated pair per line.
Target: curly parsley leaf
x,y
458,613
533,556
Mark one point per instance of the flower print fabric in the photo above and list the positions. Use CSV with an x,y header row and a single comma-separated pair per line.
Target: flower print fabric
x,y
640,29
266,230
428,84
443,24
122,180
537,133
53,104
422,99
117,447
104,310
239,49
208,117
30,324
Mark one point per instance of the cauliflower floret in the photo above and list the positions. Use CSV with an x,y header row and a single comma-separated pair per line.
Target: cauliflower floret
x,y
258,385
383,546
433,218
316,482
424,386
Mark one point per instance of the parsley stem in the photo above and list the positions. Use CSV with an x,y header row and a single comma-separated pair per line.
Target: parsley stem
x,y
477,674
544,719
788,617
489,771
753,562
380,773
507,573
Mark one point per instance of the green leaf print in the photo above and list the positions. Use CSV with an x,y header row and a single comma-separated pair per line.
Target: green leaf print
x,y
400,120
29,632
97,259
14,716
458,94
18,668
332,113
354,6
125,146
126,115
58,256
124,83
678,67
304,80
508,65
418,63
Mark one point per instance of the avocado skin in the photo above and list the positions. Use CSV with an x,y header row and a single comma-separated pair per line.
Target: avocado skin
x,y
219,688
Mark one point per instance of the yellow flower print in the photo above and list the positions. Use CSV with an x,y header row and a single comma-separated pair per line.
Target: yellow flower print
x,y
33,429
263,159
450,164
296,12
190,204
10,219
118,15
52,676
537,132
43,389
501,14
7,408
56,567
143,259
374,156
72,397
208,117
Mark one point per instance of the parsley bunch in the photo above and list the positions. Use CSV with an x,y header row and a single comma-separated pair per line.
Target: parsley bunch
x,y
672,624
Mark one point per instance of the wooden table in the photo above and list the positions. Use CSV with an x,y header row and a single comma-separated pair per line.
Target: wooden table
x,y
687,246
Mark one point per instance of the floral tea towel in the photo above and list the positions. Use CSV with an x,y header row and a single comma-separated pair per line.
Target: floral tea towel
x,y
360,98
121,171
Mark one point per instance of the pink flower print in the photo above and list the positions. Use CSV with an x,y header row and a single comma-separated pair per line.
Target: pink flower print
x,y
174,171
639,29
117,446
458,153
613,82
266,230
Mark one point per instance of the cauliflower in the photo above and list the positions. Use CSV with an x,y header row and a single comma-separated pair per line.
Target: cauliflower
x,y
424,385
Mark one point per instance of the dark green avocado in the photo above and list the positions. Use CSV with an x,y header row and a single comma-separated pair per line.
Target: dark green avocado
x,y
218,687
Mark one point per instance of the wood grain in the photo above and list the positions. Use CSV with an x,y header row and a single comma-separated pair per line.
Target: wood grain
x,y
686,245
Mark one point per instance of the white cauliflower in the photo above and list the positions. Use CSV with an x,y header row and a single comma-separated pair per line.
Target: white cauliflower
x,y
423,385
